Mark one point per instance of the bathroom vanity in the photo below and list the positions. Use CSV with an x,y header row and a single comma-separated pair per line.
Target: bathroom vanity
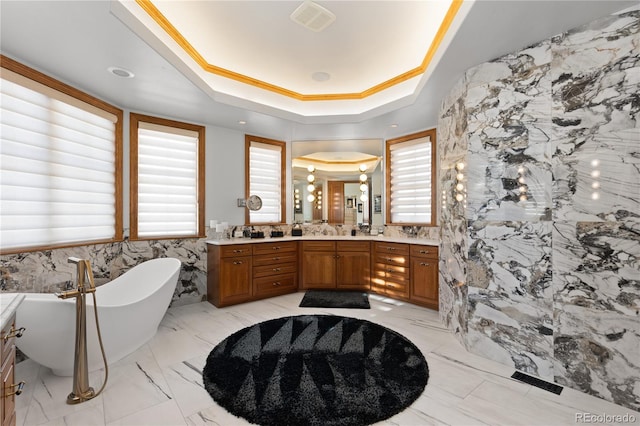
x,y
8,334
242,270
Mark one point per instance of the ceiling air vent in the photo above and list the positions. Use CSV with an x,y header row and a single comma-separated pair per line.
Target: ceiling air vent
x,y
313,16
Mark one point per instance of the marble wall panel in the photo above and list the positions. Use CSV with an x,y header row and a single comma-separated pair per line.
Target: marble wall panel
x,y
552,282
596,352
600,179
596,265
516,332
512,259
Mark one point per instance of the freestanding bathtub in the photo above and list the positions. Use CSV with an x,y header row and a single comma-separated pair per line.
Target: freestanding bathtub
x,y
130,309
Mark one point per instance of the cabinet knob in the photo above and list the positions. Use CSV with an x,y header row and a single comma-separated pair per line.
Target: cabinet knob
x,y
424,264
391,248
14,333
275,258
276,269
276,248
277,283
238,262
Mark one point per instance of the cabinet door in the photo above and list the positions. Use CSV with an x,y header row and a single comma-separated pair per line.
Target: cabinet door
x,y
318,269
424,282
235,280
353,270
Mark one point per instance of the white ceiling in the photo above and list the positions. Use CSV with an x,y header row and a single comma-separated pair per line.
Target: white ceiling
x,y
76,41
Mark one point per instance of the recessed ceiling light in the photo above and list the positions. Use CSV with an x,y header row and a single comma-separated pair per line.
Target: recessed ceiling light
x,y
242,122
394,125
120,72
320,76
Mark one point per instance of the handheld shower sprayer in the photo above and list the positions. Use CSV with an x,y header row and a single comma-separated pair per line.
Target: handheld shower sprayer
x,y
81,389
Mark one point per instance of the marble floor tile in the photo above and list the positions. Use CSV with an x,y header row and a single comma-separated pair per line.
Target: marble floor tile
x,y
161,382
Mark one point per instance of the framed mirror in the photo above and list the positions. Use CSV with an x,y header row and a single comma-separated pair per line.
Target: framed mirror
x,y
338,182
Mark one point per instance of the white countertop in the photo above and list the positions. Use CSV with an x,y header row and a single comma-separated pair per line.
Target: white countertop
x,y
9,303
421,241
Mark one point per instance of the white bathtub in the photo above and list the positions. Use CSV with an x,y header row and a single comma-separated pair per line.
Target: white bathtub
x,y
130,309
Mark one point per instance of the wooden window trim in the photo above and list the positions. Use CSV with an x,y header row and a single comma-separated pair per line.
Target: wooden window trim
x,y
283,159
134,120
39,77
431,134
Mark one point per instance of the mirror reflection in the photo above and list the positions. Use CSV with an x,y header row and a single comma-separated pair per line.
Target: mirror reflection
x,y
339,182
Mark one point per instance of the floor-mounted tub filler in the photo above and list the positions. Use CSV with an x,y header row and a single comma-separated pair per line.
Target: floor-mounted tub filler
x,y
130,309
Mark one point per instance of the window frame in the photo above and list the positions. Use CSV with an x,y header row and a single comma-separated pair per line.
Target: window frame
x,y
134,120
431,134
283,177
46,80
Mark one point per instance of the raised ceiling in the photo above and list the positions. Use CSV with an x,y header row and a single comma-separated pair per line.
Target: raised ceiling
x,y
372,54
76,41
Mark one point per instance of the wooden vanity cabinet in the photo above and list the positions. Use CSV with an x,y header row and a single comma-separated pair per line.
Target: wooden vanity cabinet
x,y
353,265
424,276
229,274
275,269
391,269
318,269
7,373
338,264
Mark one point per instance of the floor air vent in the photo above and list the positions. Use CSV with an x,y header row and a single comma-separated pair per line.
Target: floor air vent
x,y
539,383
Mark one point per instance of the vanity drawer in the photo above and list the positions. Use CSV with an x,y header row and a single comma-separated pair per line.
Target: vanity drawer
x,y
424,251
275,284
392,259
274,258
318,245
395,248
271,248
274,269
235,250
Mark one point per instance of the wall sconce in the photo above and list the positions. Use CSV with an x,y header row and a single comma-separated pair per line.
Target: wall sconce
x,y
460,189
363,183
522,189
595,174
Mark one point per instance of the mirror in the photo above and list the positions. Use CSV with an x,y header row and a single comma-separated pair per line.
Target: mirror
x,y
339,182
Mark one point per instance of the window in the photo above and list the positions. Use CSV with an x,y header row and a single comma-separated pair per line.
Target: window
x,y
61,173
167,178
410,168
265,177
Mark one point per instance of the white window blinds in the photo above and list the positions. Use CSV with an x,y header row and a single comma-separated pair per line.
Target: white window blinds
x,y
410,164
167,181
265,177
58,170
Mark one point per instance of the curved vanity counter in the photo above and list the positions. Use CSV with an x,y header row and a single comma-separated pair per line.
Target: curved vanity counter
x,y
241,270
403,240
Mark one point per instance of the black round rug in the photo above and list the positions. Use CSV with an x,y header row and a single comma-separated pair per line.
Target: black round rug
x,y
315,370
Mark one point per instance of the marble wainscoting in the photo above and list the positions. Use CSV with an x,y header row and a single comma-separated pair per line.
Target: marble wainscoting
x,y
49,271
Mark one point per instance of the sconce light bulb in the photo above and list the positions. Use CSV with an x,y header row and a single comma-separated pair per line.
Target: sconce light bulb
x,y
459,176
311,188
460,166
296,190
310,198
523,198
459,187
363,178
363,187
311,168
311,178
522,189
459,197
363,197
362,168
